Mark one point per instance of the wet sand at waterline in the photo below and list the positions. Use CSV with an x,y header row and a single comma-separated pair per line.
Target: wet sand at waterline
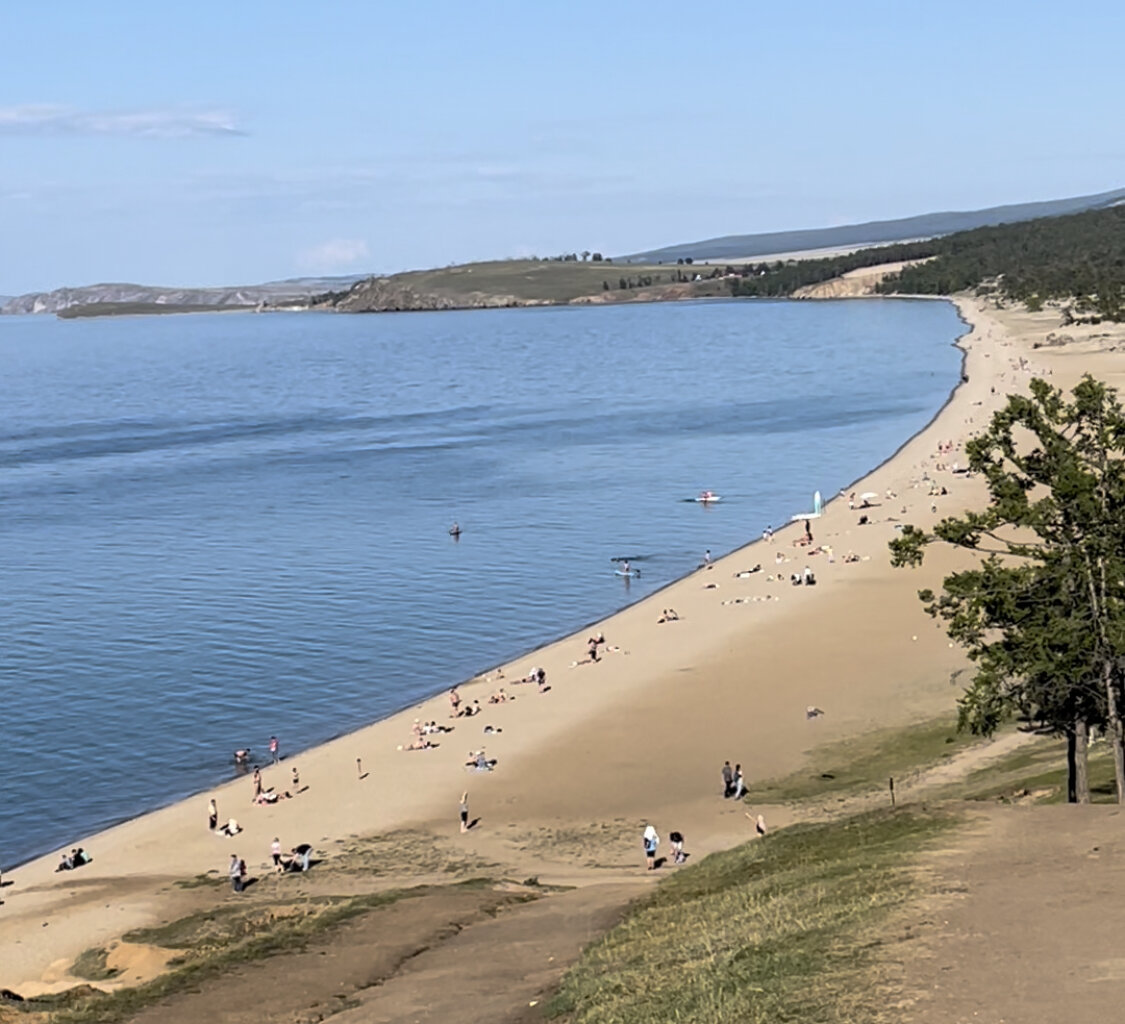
x,y
639,736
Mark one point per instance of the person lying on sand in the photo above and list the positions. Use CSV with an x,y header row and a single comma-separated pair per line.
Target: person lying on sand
x,y
270,796
668,615
419,743
500,697
231,828
480,761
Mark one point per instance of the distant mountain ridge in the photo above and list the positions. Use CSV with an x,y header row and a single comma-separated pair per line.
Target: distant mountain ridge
x,y
875,232
293,291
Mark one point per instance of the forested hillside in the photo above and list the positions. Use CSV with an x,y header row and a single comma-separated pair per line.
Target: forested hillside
x,y
1080,258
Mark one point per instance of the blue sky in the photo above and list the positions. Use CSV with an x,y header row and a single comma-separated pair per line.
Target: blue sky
x,y
210,143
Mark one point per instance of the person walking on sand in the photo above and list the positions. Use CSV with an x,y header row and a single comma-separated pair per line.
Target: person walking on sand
x,y
235,872
738,782
274,755
212,815
275,853
651,842
257,784
454,701
296,780
728,778
464,811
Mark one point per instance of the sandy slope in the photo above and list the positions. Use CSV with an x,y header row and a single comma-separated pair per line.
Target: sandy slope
x,y
641,734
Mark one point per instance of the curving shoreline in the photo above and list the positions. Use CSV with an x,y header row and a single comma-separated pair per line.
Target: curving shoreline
x,y
600,750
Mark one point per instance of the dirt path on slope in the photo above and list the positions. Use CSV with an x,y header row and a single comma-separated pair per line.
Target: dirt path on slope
x,y
1030,925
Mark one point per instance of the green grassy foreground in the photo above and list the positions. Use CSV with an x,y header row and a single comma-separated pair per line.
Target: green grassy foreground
x,y
778,929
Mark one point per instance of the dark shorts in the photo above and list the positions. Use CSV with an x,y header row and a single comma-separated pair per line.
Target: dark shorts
x,y
276,859
464,816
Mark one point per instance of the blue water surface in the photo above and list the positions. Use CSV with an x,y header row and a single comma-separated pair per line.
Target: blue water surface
x,y
219,527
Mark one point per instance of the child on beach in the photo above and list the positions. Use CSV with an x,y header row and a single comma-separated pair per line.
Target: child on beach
x,y
677,841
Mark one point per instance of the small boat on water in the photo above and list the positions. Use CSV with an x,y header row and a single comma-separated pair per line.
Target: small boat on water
x,y
707,497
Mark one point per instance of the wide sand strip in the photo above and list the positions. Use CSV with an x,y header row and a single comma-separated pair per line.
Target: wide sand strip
x,y
641,734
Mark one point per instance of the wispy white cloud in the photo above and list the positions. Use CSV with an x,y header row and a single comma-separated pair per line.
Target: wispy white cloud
x,y
335,254
50,119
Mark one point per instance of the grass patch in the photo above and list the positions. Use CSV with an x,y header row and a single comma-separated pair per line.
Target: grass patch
x,y
778,929
92,965
1038,771
211,880
214,942
868,761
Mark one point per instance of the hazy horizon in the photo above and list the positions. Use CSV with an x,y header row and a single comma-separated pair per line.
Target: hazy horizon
x,y
232,145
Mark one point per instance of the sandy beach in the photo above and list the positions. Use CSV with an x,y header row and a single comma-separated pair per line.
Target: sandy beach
x,y
638,736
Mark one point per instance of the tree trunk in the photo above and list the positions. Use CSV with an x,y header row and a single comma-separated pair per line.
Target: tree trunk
x,y
1115,732
1081,763
1071,767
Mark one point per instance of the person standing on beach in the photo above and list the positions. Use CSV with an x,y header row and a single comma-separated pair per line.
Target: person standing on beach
x,y
274,756
464,810
738,782
651,842
454,701
296,780
275,853
728,778
257,784
707,558
235,872
212,815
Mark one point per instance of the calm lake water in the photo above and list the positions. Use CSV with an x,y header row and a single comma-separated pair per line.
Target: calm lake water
x,y
215,528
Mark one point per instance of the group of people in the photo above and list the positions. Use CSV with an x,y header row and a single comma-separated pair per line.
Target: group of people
x,y
75,859
468,710
650,839
734,785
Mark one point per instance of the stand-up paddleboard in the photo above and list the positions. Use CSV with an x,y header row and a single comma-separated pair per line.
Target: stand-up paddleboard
x,y
705,499
627,572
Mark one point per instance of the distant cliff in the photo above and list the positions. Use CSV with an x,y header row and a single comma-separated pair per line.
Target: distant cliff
x,y
136,297
503,283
